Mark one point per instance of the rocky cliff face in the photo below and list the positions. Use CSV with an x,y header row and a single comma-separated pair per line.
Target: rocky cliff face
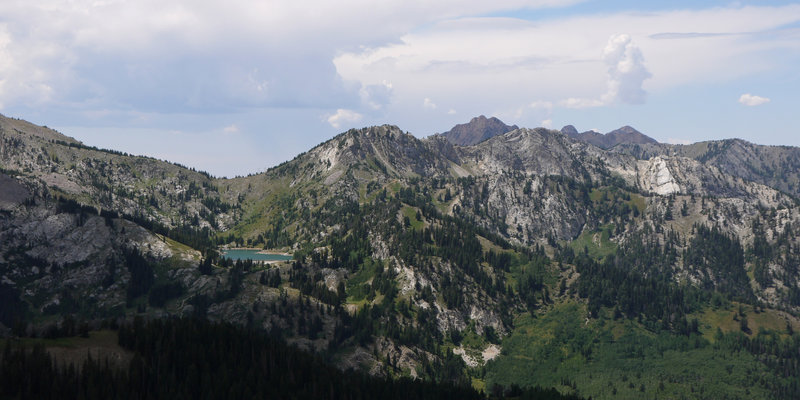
x,y
62,260
531,152
774,166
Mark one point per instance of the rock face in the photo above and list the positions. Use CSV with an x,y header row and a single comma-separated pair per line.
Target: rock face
x,y
657,178
477,130
774,166
530,151
624,135
12,193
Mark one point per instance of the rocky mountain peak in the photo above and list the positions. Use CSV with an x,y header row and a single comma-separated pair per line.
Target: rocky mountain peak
x,y
627,129
570,131
477,130
623,135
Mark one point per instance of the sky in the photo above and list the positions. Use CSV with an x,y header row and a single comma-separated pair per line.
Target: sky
x,y
235,87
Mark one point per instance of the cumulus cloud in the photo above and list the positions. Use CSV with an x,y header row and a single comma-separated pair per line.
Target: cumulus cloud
x,y
548,123
626,74
343,116
626,70
428,103
752,100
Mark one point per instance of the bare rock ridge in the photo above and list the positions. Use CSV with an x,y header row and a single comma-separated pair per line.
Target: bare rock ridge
x,y
775,166
626,135
477,130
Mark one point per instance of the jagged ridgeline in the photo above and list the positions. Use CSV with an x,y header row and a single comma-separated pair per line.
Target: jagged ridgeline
x,y
527,258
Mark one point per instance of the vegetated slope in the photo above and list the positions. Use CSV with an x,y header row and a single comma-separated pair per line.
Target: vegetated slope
x,y
408,250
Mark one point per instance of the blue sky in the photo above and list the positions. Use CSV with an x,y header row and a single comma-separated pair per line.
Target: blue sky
x,y
236,87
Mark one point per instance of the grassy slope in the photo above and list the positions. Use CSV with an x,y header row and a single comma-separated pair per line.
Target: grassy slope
x,y
605,358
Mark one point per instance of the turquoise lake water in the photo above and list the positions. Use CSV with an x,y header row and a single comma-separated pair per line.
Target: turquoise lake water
x,y
253,255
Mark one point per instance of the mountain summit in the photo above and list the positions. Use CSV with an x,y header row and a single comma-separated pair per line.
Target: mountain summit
x,y
626,134
477,130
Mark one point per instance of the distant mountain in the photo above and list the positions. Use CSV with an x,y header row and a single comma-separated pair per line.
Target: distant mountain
x,y
477,130
626,134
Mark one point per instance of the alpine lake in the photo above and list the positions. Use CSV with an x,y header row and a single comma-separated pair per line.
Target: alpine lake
x,y
255,255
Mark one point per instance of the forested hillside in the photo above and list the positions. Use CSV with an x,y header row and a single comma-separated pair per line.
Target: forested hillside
x,y
193,359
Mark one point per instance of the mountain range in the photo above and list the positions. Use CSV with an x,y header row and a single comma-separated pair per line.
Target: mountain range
x,y
601,265
626,134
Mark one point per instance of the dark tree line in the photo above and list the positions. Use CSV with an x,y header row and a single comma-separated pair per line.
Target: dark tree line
x,y
142,274
720,259
194,359
637,281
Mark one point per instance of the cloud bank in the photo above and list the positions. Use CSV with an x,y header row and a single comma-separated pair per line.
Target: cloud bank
x,y
503,66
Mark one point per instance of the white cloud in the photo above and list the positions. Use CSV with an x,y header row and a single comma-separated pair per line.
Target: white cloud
x,y
230,129
342,117
626,70
451,112
626,74
548,123
428,103
753,100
